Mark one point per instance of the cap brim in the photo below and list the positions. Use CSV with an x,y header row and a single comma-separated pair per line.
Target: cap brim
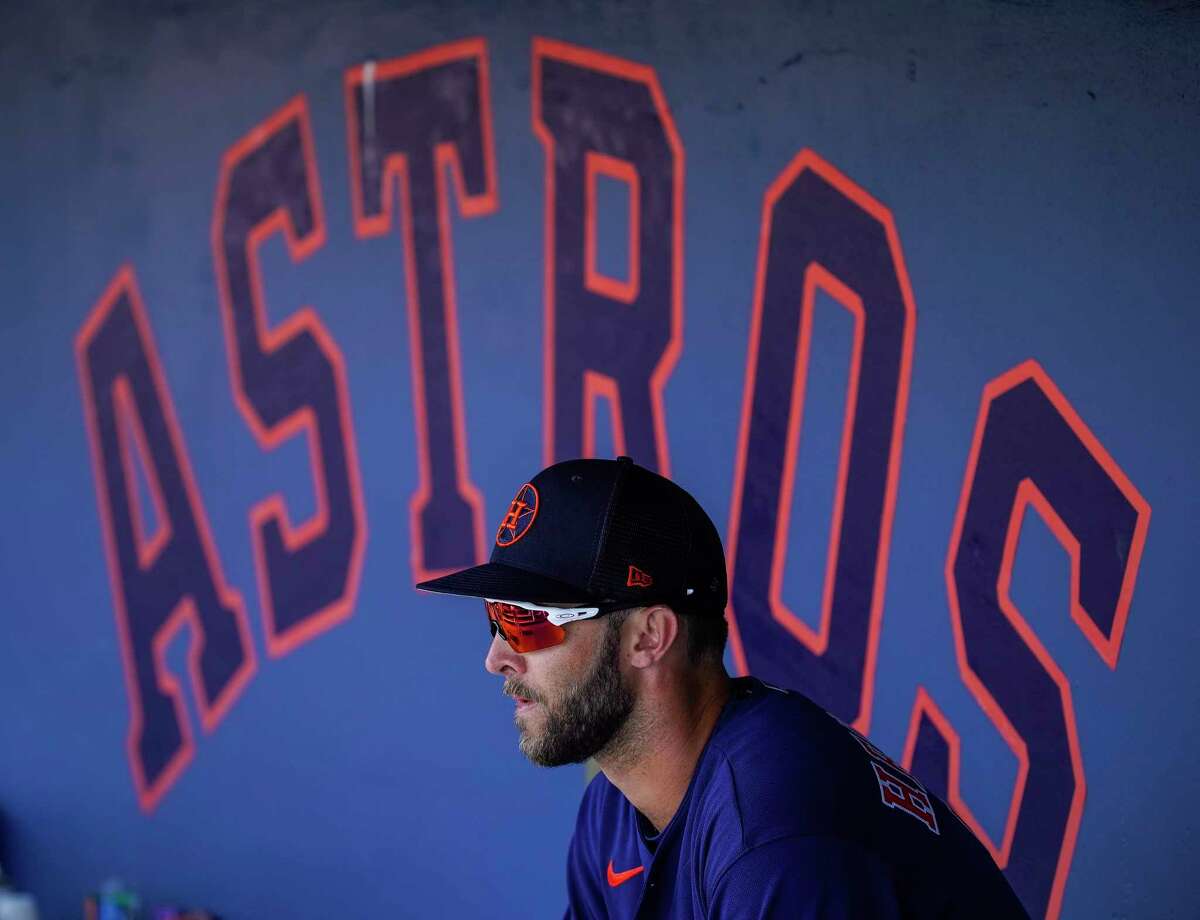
x,y
504,582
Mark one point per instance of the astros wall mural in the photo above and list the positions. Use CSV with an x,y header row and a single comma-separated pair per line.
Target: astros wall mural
x,y
298,297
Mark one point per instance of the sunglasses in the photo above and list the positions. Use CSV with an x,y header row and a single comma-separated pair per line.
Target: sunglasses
x,y
531,627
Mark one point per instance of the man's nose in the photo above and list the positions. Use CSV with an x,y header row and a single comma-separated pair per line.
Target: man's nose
x,y
502,660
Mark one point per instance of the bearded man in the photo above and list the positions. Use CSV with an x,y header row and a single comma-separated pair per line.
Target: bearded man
x,y
717,797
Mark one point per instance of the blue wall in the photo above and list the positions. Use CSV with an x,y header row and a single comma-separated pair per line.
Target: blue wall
x,y
1037,168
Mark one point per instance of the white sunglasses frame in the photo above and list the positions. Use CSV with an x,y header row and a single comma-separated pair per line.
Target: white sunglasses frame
x,y
556,615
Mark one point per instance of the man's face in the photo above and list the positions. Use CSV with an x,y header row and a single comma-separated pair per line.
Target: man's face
x,y
571,698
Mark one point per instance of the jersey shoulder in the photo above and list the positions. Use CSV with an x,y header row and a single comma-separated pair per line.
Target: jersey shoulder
x,y
782,766
776,768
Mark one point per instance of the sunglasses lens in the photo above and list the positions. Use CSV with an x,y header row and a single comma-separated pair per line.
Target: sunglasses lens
x,y
524,630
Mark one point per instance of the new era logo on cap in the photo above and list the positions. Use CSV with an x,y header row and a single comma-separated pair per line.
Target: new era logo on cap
x,y
600,531
638,579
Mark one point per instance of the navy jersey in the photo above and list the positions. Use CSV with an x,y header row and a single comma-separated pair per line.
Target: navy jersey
x,y
789,814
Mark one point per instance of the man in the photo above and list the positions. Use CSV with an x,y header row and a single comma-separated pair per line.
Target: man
x,y
719,798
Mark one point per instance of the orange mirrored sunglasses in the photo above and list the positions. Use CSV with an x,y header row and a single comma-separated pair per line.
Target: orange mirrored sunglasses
x,y
530,627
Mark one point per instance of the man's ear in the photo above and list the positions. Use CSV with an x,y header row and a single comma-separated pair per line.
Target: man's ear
x,y
652,631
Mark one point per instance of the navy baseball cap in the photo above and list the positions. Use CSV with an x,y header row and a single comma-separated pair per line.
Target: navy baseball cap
x,y
603,531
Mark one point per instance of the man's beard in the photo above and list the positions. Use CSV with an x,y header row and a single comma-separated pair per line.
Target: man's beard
x,y
588,715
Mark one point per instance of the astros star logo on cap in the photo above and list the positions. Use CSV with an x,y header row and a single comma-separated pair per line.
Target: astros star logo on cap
x,y
521,512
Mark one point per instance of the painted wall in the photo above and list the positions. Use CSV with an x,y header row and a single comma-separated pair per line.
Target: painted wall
x,y
296,298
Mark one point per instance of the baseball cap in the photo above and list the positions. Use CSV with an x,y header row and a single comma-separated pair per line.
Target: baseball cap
x,y
604,531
